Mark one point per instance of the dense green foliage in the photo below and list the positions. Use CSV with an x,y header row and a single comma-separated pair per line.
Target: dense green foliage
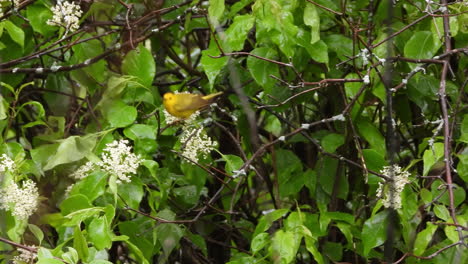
x,y
320,99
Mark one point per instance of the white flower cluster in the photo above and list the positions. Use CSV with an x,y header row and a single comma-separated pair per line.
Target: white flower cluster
x,y
22,202
196,143
172,119
390,191
25,256
118,159
83,171
5,3
67,15
6,163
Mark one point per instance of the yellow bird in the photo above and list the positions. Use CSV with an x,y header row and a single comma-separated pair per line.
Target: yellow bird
x,y
183,105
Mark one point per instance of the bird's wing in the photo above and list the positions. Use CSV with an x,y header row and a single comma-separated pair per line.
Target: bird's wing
x,y
189,102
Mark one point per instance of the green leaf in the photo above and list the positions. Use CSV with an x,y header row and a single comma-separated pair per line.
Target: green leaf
x,y
259,242
312,248
327,174
121,115
69,150
74,203
199,241
441,212
267,220
83,52
99,233
290,176
261,69
464,130
372,135
91,186
168,236
423,238
421,46
37,232
71,256
374,231
37,15
80,244
375,160
132,192
140,131
333,250
462,167
212,66
341,45
432,156
237,32
216,10
140,63
312,19
284,246
15,32
233,163
332,141
318,51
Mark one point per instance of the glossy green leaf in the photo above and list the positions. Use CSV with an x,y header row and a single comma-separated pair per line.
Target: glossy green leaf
x,y
168,236
462,167
140,63
216,9
423,239
421,46
267,220
284,246
464,130
212,66
131,192
37,14
92,186
332,141
74,203
99,233
372,135
121,115
312,19
80,244
290,176
374,231
233,163
15,32
237,32
431,156
313,249
261,69
259,242
69,150
37,232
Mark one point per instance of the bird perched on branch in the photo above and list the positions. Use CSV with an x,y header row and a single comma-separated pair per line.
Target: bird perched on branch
x,y
183,105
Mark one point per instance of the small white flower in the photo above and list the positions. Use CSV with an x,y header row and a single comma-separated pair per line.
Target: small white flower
x,y
66,15
282,138
305,126
83,171
118,159
25,256
22,202
390,191
6,163
196,143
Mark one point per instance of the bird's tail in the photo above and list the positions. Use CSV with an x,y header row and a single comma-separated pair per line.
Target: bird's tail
x,y
211,97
